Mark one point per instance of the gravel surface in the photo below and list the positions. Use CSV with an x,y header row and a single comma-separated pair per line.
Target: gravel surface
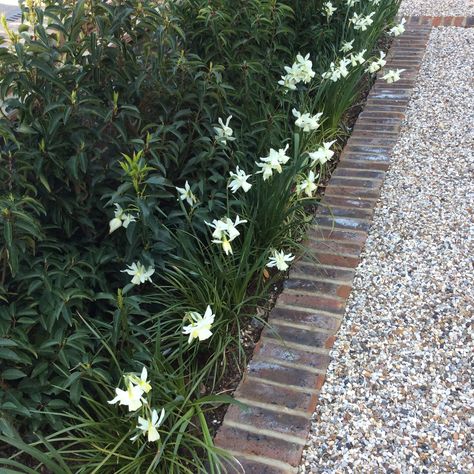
x,y
399,395
437,8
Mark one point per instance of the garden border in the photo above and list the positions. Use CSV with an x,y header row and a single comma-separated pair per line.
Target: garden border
x,y
280,386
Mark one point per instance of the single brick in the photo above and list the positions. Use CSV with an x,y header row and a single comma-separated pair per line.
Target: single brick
x,y
333,259
448,20
259,445
355,173
271,371
342,223
257,390
296,335
312,319
347,248
265,419
314,270
360,163
331,211
335,290
379,153
303,300
469,22
459,21
347,201
352,192
351,237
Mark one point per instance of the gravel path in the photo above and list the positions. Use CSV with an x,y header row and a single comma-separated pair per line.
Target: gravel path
x,y
437,8
399,395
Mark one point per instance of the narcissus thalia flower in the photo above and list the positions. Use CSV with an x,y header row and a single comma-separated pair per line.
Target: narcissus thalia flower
x,y
378,64
328,9
362,22
273,162
280,260
239,180
300,71
224,132
200,327
185,194
392,76
397,30
132,397
225,232
121,219
335,73
140,273
322,154
358,58
141,381
149,426
307,121
346,46
308,186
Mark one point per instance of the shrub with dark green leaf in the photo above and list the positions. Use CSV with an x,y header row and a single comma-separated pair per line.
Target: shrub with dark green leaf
x,y
154,156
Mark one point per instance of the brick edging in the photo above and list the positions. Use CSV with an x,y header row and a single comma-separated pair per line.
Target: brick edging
x,y
459,21
281,384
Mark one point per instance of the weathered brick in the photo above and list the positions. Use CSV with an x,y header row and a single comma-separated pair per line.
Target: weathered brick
x,y
345,201
338,222
296,335
314,270
336,290
358,162
312,319
331,211
378,152
352,192
347,248
278,351
355,173
271,371
355,238
257,390
356,183
277,421
469,22
303,300
259,445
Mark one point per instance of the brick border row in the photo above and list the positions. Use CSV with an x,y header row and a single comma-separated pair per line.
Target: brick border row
x,y
281,384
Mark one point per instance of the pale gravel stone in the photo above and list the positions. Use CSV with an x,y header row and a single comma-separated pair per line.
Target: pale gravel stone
x,y
437,8
399,394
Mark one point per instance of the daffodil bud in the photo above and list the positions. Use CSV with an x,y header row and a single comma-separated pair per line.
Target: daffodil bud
x,y
114,224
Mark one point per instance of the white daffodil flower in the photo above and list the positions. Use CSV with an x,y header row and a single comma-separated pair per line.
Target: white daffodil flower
x,y
280,260
273,162
141,381
378,64
200,327
334,74
393,76
307,121
347,46
304,67
121,219
343,63
399,29
225,232
224,132
149,427
322,154
267,170
139,272
358,58
185,194
351,3
307,186
239,180
132,397
362,22
300,71
328,9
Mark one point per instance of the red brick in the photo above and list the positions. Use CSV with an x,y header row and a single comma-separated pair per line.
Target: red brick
x,y
378,152
290,334
330,342
336,290
360,163
277,421
346,201
330,305
332,211
459,21
447,20
344,261
257,390
350,249
338,222
259,445
352,192
355,173
313,270
372,183
246,466
313,319
356,238
271,371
